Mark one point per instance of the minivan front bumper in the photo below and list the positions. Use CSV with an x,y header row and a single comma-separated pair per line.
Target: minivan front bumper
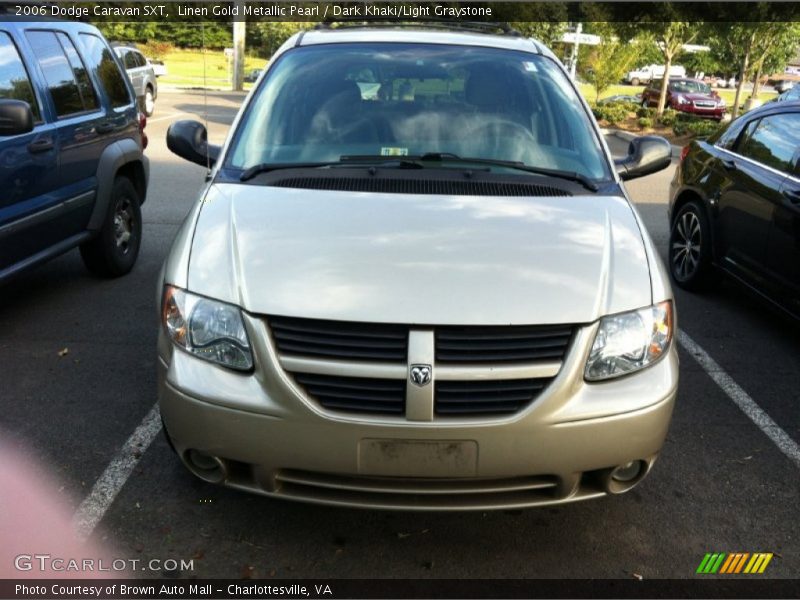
x,y
259,432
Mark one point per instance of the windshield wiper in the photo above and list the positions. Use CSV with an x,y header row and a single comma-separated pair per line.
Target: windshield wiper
x,y
512,164
251,172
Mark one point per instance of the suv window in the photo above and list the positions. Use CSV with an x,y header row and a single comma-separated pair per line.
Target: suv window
x,y
130,59
14,81
85,86
320,103
140,61
57,71
102,61
774,141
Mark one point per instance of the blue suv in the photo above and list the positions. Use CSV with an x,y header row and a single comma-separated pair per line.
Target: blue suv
x,y
72,168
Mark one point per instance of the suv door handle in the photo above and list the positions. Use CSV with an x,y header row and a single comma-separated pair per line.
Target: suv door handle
x,y
42,144
728,163
104,127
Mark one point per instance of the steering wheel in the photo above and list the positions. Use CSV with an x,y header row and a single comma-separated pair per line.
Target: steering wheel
x,y
503,139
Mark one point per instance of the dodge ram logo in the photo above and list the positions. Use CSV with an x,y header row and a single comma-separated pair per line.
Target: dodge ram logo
x,y
421,374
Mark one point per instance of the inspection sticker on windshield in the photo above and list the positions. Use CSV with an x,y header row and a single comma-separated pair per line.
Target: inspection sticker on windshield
x,y
529,66
394,151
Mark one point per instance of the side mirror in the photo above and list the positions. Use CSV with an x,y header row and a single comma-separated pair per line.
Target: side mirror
x,y
189,140
647,154
15,117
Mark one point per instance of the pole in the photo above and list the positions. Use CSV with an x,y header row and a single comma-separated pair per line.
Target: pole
x,y
573,62
238,46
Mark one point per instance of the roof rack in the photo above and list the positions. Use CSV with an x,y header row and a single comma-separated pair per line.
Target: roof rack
x,y
488,27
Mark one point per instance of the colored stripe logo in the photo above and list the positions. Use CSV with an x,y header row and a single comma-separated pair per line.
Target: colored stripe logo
x,y
733,563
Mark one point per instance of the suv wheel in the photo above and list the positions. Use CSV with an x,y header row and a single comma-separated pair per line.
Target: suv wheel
x,y
149,102
690,248
635,81
113,252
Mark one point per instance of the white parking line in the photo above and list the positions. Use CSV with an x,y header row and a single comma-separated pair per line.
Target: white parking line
x,y
95,505
742,399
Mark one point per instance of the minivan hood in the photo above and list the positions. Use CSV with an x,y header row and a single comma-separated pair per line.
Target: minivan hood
x,y
418,259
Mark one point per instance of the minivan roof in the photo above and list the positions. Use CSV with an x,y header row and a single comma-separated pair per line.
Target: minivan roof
x,y
419,36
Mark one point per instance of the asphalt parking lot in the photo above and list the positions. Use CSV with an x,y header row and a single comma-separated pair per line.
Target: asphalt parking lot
x,y
720,485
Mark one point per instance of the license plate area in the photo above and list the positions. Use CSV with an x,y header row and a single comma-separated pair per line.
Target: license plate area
x,y
418,458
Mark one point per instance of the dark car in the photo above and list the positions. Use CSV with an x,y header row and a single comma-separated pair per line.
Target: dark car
x,y
72,168
735,206
687,95
633,99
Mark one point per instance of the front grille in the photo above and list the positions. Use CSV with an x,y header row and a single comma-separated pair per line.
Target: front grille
x,y
335,339
501,344
487,397
356,394
705,104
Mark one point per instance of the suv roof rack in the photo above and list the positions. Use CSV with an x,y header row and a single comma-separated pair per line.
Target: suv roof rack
x,y
489,27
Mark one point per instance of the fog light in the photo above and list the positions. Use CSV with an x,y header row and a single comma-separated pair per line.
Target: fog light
x,y
206,467
627,472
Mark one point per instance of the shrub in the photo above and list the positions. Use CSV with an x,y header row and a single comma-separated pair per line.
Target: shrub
x,y
646,112
614,112
668,118
645,122
702,128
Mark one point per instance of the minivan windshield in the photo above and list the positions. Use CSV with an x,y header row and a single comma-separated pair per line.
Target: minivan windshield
x,y
321,103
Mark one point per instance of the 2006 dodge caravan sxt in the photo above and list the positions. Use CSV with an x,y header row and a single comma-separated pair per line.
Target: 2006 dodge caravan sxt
x,y
414,280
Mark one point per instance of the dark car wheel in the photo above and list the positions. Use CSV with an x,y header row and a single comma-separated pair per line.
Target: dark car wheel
x,y
645,103
690,248
635,81
113,252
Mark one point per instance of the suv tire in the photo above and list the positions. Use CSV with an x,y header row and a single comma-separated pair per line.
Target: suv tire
x,y
635,81
113,252
690,248
148,102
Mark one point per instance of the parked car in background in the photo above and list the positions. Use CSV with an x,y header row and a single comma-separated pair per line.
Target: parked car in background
x,y
159,68
687,95
142,76
72,167
252,76
648,73
633,99
735,206
790,94
489,327
783,85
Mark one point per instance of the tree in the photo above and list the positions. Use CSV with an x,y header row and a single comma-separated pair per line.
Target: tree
x,y
608,62
671,37
267,36
754,47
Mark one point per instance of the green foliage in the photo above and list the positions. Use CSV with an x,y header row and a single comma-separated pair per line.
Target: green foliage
x,y
183,35
695,126
157,50
264,38
646,112
668,117
608,63
614,112
645,122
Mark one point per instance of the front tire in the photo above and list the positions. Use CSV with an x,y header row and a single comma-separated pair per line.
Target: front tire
x,y
114,251
635,81
690,248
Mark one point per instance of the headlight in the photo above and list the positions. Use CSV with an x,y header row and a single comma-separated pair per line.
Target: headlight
x,y
629,342
682,100
206,328
721,101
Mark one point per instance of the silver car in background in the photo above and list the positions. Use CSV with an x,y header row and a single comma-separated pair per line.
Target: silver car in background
x,y
142,76
414,280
